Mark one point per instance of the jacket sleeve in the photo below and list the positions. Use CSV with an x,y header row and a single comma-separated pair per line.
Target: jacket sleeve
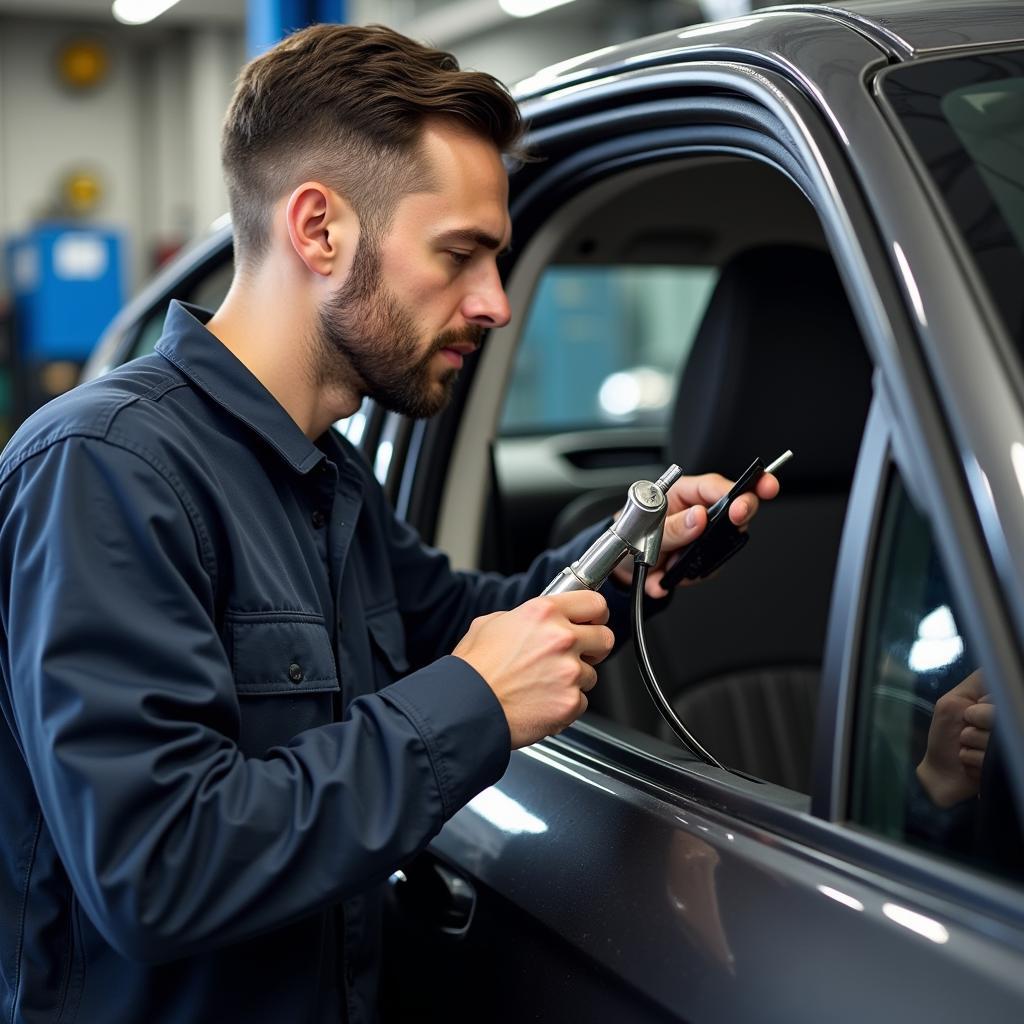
x,y
122,701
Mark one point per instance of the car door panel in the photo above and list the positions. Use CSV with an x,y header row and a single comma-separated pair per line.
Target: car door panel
x,y
706,914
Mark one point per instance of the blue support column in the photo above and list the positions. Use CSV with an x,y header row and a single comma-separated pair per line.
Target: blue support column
x,y
331,10
269,21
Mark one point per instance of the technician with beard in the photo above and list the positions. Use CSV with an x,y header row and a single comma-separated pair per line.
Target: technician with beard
x,y
238,691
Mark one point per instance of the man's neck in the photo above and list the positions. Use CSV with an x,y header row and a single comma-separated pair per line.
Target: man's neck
x,y
272,337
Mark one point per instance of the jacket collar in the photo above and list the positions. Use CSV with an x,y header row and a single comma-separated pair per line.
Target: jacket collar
x,y
218,372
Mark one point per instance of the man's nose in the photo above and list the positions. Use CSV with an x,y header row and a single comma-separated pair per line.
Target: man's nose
x,y
486,304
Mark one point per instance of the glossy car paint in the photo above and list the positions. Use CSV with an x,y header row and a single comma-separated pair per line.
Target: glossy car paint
x,y
713,917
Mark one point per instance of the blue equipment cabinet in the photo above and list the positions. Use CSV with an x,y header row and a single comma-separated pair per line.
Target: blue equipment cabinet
x,y
67,284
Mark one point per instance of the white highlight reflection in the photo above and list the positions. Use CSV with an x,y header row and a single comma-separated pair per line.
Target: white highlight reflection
x,y
528,8
908,280
1017,457
925,926
138,12
535,752
353,427
627,392
382,462
938,642
712,9
840,897
505,813
716,28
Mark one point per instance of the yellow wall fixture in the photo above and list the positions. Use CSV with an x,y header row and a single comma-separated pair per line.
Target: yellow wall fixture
x,y
82,64
81,192
137,12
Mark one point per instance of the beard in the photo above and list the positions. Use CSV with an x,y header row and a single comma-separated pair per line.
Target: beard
x,y
368,341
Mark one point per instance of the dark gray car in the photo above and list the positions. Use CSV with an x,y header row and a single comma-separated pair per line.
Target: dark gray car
x,y
799,229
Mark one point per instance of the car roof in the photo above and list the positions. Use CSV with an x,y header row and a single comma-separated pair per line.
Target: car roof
x,y
924,26
902,29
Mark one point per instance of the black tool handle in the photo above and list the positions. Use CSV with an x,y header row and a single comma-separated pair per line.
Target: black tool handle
x,y
720,539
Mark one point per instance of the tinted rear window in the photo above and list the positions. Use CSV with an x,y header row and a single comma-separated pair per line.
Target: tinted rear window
x,y
965,117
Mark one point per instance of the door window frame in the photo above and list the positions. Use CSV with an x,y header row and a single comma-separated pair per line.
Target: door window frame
x,y
885,453
746,125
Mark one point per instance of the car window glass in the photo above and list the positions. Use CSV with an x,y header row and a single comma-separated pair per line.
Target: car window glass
x,y
753,329
619,333
965,118
208,292
927,768
149,333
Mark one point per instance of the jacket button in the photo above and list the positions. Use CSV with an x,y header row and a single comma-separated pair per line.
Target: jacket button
x,y
319,519
295,672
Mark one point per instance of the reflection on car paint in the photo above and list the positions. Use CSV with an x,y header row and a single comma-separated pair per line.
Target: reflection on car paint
x,y
841,897
693,896
926,926
505,813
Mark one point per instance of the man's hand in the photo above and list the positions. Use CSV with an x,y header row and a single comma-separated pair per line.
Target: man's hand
x,y
688,502
958,736
538,659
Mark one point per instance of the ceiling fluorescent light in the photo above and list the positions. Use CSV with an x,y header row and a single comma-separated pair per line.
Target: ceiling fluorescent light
x,y
528,8
138,12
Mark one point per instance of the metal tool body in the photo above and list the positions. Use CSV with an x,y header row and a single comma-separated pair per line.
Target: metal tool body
x,y
637,531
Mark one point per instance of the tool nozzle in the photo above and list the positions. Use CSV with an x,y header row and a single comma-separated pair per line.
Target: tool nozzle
x,y
668,478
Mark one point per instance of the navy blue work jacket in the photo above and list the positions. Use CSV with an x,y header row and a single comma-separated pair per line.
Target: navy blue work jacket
x,y
227,711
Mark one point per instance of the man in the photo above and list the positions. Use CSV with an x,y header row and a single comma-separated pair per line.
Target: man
x,y
215,751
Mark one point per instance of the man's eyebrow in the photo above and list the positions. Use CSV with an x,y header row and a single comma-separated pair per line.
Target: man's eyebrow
x,y
472,236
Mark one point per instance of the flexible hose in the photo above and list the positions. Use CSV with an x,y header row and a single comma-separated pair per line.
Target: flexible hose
x,y
647,671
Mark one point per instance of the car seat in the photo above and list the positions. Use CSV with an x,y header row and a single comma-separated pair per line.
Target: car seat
x,y
778,362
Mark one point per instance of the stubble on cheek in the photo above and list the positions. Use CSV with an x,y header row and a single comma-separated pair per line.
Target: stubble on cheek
x,y
369,342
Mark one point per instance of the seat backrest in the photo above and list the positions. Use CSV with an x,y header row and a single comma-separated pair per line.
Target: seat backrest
x,y
777,363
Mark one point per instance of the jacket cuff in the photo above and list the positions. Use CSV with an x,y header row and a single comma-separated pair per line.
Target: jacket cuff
x,y
461,723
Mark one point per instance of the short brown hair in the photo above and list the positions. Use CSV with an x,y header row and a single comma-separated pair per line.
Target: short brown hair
x,y
346,104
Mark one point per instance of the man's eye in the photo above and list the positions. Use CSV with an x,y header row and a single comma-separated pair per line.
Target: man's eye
x,y
459,258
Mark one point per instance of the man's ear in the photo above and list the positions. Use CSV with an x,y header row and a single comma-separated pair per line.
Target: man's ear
x,y
322,227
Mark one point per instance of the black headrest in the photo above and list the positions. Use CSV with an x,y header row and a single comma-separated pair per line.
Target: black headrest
x,y
778,362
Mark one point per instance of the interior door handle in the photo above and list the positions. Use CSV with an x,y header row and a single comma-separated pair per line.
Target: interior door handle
x,y
434,894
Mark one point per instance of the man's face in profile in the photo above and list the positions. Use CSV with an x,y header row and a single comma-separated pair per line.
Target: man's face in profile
x,y
420,298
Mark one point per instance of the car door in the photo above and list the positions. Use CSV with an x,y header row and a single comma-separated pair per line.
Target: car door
x,y
611,875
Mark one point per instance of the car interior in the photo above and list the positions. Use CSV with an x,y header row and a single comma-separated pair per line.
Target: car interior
x,y
765,356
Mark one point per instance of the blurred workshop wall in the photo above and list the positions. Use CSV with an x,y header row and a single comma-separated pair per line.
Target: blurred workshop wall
x,y
146,133
110,133
109,162
483,35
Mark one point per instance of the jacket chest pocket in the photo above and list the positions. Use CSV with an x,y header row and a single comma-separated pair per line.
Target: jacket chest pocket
x,y
285,677
387,646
